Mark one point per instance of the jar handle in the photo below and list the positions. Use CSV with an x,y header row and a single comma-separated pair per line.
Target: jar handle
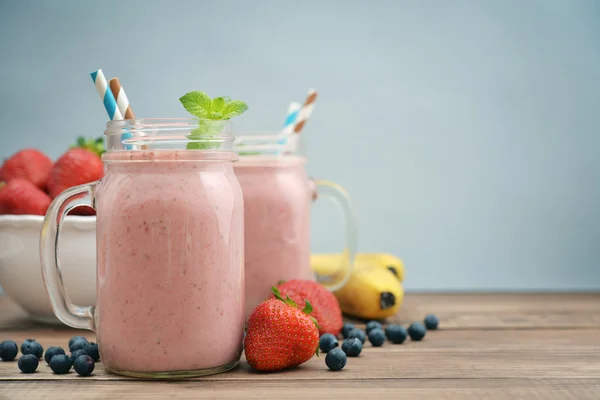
x,y
73,315
338,195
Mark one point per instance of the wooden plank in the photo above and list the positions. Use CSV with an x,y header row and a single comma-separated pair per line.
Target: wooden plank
x,y
560,389
456,311
504,311
445,354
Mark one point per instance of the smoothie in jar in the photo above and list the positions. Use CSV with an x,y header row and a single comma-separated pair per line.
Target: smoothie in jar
x,y
278,195
170,250
277,199
170,262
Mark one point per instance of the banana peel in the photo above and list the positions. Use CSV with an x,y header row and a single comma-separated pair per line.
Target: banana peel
x,y
374,289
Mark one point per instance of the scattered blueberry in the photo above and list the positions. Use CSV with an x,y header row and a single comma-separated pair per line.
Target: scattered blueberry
x,y
346,329
60,364
336,359
377,337
416,331
352,347
74,338
431,322
30,346
92,350
327,342
8,350
26,343
28,363
77,344
84,365
396,333
373,325
77,353
51,352
359,334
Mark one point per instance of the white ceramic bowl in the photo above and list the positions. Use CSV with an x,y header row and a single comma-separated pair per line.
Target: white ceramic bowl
x,y
21,270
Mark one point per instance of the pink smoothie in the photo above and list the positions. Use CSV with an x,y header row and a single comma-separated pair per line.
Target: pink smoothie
x,y
170,262
277,200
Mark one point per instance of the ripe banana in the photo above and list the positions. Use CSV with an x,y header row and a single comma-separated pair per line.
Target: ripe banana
x,y
374,290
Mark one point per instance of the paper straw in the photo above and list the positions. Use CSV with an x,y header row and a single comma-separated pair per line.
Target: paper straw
x,y
289,124
110,104
305,111
122,100
291,117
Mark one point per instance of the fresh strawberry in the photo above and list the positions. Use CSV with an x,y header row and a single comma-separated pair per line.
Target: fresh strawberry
x,y
21,197
29,164
280,335
327,309
76,167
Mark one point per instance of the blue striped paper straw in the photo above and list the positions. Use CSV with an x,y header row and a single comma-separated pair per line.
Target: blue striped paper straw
x,y
110,104
291,116
290,121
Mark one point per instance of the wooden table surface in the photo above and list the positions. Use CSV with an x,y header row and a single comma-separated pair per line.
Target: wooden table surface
x,y
489,346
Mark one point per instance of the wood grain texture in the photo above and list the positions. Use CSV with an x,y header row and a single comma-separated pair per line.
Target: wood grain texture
x,y
491,346
422,389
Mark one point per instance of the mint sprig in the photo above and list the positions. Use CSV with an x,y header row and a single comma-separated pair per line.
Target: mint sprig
x,y
212,114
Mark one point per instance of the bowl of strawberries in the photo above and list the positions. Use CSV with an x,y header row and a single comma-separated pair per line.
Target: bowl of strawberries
x,y
29,180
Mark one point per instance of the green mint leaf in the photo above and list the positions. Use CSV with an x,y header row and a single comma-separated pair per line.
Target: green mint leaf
x,y
206,130
308,308
280,282
218,104
197,103
234,108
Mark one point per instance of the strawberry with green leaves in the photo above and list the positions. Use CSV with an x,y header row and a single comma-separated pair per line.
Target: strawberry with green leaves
x,y
212,114
280,335
80,164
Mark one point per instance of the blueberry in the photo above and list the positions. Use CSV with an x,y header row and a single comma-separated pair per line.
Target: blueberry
x,y
51,352
352,347
416,331
60,364
336,359
74,338
92,350
346,329
77,353
26,343
77,344
8,350
30,346
373,325
376,337
431,322
327,342
84,365
396,333
359,334
28,363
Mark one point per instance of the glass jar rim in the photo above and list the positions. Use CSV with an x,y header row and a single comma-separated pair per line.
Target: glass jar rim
x,y
261,143
117,127
168,133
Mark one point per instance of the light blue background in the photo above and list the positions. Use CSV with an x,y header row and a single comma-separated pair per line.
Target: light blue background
x,y
467,132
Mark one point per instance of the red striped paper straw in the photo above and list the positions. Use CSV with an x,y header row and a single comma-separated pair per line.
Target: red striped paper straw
x,y
122,100
305,111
